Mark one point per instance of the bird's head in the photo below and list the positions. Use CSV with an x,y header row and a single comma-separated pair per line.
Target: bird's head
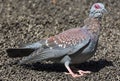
x,y
97,10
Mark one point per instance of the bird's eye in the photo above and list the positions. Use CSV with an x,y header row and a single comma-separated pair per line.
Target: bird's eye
x,y
97,6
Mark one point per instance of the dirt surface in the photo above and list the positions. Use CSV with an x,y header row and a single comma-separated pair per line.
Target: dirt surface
x,y
24,21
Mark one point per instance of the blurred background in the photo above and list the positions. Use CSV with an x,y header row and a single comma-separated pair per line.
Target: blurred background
x,y
25,21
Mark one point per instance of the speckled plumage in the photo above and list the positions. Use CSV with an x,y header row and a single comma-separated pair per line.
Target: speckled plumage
x,y
68,38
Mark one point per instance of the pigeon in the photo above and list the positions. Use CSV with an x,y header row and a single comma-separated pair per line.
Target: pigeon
x,y
72,46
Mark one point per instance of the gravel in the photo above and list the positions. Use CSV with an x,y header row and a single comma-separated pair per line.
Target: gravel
x,y
25,21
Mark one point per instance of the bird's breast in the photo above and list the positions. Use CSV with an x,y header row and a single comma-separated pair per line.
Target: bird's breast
x,y
83,55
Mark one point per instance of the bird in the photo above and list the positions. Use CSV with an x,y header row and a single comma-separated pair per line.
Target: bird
x,y
73,46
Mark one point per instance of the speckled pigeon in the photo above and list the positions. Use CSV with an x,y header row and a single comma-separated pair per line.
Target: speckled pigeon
x,y
72,46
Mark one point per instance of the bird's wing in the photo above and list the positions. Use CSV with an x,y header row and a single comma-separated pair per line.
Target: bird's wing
x,y
34,45
67,42
72,39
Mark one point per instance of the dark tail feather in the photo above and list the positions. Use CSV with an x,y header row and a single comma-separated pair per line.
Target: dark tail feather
x,y
19,52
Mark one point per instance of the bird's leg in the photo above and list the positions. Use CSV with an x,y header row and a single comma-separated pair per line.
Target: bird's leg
x,y
73,69
70,71
81,72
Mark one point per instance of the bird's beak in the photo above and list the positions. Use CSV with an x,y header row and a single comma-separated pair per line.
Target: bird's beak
x,y
105,11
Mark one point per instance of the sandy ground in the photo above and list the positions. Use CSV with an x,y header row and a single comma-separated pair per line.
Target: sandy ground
x,y
24,21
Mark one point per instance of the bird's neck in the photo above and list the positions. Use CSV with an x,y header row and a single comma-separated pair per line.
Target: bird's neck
x,y
93,25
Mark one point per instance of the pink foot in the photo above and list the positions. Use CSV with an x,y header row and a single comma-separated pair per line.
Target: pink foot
x,y
73,75
81,72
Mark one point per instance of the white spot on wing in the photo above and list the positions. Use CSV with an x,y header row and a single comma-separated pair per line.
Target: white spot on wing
x,y
60,45
66,42
51,48
46,42
69,43
64,46
55,42
63,41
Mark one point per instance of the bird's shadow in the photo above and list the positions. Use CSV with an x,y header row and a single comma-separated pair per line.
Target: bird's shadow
x,y
93,66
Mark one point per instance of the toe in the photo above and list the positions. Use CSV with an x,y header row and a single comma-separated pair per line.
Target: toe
x,y
83,72
77,75
74,75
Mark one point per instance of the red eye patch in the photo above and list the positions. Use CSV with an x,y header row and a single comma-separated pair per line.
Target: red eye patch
x,y
97,6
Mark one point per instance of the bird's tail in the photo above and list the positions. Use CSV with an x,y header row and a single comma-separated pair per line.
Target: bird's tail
x,y
25,50
19,52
